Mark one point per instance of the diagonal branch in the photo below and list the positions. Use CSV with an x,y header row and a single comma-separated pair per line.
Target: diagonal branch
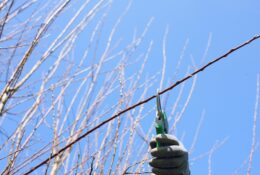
x,y
5,19
10,88
142,102
253,146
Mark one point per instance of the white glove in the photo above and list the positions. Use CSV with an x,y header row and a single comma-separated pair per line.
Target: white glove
x,y
171,158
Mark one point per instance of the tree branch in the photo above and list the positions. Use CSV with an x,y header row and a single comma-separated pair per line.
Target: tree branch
x,y
143,102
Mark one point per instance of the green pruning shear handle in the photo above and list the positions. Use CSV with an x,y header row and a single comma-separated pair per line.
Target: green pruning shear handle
x,y
161,123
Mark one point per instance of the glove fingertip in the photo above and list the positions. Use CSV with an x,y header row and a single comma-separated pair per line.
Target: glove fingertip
x,y
153,143
167,139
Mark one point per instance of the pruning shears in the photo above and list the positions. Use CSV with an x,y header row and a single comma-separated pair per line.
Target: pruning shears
x,y
161,122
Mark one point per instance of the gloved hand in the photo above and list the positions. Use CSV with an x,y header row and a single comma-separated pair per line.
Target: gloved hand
x,y
171,158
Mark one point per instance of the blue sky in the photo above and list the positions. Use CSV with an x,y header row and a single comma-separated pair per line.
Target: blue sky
x,y
227,90
224,93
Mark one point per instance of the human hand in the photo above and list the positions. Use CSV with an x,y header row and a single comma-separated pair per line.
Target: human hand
x,y
171,158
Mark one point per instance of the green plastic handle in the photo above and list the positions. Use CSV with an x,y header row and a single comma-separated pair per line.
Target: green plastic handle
x,y
159,130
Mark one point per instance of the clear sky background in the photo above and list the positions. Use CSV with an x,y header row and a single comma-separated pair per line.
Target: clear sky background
x,y
224,94
225,91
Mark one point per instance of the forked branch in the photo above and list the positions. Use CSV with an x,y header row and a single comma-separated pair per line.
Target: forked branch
x,y
143,102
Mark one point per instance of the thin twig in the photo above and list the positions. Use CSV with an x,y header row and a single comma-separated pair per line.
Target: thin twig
x,y
196,135
145,172
10,88
216,146
5,18
92,165
136,163
252,151
142,102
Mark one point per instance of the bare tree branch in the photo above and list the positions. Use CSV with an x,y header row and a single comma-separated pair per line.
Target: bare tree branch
x,y
253,147
141,102
2,26
10,87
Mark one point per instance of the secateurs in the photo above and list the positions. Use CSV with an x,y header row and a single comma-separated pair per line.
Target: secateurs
x,y
161,122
